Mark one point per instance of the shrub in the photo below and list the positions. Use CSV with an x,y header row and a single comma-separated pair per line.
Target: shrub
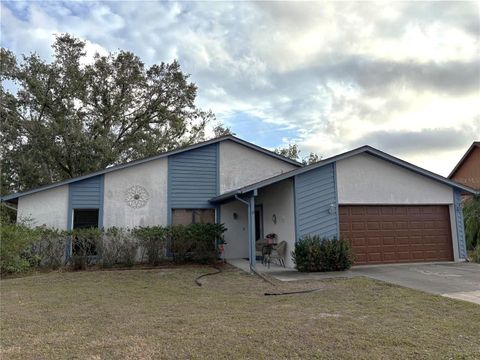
x,y
471,214
313,253
153,241
85,245
195,242
50,248
118,247
16,241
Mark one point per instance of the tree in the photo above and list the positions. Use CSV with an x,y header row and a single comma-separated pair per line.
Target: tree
x,y
471,215
221,130
293,152
69,117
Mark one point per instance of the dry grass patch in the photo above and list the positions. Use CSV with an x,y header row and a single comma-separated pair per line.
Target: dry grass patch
x,y
162,314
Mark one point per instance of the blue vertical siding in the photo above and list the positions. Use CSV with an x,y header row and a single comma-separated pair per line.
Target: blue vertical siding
x,y
86,194
315,192
457,204
193,178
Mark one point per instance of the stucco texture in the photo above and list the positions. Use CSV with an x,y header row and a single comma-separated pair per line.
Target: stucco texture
x,y
48,207
241,166
365,179
152,176
277,199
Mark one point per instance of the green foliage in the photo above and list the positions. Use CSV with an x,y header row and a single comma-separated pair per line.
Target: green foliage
x,y
221,130
50,249
196,242
71,116
118,246
471,218
153,240
22,248
15,243
85,245
293,152
313,253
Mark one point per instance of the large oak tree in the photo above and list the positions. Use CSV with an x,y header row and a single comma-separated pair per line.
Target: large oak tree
x,y
70,116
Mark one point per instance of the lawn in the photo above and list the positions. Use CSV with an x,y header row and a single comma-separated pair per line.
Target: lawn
x,y
161,313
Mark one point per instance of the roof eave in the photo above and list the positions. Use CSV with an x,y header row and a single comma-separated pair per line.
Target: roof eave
x,y
152,158
464,157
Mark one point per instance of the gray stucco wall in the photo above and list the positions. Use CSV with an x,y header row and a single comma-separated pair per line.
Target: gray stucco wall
x,y
47,207
240,166
278,199
366,179
152,176
316,202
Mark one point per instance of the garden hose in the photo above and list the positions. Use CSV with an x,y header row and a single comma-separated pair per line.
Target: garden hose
x,y
292,292
207,274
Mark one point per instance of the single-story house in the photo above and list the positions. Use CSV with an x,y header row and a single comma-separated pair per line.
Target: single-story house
x,y
467,171
390,210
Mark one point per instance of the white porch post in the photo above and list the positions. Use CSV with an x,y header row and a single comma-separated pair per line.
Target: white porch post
x,y
250,202
251,233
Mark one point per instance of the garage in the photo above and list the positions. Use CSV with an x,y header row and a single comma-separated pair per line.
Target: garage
x,y
397,233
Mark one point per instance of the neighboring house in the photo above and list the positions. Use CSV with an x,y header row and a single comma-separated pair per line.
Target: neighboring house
x,y
390,210
467,171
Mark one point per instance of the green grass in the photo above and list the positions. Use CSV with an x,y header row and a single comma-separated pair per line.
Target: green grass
x,y
161,313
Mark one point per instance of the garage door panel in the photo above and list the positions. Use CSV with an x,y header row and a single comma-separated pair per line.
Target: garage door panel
x,y
389,234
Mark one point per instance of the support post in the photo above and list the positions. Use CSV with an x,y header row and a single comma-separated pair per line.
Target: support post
x,y
251,233
251,229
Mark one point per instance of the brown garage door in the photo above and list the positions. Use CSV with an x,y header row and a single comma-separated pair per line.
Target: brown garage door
x,y
390,234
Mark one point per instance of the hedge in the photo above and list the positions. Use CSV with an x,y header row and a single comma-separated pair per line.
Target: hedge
x,y
22,247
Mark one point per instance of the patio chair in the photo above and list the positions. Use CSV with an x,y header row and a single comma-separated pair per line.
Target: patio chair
x,y
278,253
260,249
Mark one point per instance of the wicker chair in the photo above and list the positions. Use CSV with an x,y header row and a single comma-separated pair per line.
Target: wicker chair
x,y
278,253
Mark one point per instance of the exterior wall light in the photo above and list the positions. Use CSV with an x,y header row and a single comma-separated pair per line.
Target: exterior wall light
x,y
333,209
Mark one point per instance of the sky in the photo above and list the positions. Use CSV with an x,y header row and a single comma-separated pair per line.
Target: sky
x,y
403,77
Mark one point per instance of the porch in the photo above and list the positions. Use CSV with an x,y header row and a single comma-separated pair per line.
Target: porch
x,y
244,264
254,215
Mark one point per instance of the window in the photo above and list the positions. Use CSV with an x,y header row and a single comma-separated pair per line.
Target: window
x,y
193,216
83,219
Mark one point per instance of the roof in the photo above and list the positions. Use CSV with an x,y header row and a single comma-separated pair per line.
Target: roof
x,y
364,149
156,157
474,145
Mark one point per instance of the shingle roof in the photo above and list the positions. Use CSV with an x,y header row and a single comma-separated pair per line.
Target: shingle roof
x,y
156,157
364,149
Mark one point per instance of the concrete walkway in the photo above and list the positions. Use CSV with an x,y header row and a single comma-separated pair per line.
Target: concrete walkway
x,y
454,280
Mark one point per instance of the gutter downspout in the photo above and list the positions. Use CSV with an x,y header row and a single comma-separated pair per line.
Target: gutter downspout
x,y
251,230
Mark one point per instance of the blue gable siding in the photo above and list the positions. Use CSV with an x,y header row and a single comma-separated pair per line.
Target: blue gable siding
x,y
315,192
457,203
86,194
193,178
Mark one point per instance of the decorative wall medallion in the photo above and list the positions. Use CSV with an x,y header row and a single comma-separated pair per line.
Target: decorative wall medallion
x,y
136,196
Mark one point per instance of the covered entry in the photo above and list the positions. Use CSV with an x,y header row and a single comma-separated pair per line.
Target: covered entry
x,y
397,233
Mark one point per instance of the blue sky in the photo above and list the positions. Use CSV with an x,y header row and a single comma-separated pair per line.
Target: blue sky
x,y
403,76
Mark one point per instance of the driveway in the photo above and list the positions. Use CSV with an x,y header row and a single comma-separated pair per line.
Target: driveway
x,y
455,280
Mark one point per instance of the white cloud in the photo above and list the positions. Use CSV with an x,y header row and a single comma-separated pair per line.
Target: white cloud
x,y
332,73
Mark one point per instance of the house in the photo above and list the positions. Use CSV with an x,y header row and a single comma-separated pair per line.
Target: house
x,y
467,171
390,210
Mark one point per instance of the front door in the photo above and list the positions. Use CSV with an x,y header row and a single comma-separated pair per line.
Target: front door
x,y
258,222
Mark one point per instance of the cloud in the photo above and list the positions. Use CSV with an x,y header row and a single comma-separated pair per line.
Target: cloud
x,y
329,75
405,142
